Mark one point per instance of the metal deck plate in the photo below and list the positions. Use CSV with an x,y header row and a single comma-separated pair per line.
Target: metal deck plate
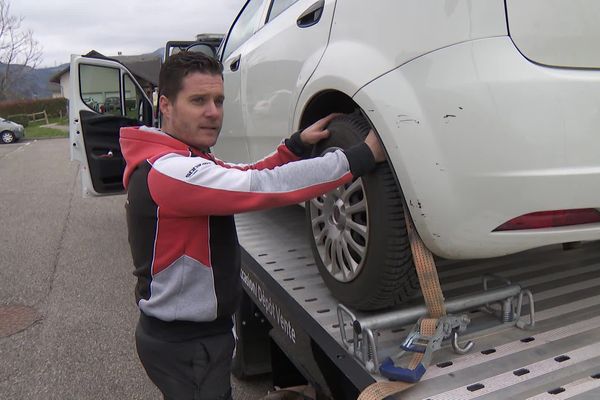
x,y
559,359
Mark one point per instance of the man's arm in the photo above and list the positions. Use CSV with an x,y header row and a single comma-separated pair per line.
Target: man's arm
x,y
297,146
192,186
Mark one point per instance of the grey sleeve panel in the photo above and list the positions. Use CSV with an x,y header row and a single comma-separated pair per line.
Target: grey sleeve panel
x,y
301,174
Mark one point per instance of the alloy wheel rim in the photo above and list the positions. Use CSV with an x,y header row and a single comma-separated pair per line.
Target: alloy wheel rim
x,y
340,228
7,137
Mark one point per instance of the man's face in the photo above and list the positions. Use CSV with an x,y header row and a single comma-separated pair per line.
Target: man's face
x,y
196,115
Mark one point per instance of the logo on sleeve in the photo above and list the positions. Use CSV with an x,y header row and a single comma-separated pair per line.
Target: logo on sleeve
x,y
195,169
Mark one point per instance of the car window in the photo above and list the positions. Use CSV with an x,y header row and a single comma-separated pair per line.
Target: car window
x,y
100,88
244,26
134,99
278,6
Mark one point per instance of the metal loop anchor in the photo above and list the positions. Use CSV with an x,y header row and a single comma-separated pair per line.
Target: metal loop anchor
x,y
457,347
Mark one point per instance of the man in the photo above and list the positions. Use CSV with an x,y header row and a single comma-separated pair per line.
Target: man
x,y
181,230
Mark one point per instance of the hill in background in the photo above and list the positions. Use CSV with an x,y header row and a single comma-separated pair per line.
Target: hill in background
x,y
36,82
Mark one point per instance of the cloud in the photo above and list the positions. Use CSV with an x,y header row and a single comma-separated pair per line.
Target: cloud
x,y
64,27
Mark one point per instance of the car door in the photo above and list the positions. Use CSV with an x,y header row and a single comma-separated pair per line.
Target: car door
x,y
104,98
233,144
269,67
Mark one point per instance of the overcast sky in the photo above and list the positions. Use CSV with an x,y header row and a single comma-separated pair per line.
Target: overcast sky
x,y
65,27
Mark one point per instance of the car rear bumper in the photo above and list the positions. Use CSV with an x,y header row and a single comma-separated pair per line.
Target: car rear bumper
x,y
478,135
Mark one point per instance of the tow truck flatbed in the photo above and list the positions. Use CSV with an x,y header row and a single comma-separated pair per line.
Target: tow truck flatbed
x,y
558,359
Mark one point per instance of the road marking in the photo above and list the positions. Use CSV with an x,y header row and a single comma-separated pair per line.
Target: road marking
x,y
21,147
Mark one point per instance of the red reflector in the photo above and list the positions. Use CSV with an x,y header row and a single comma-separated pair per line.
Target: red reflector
x,y
550,219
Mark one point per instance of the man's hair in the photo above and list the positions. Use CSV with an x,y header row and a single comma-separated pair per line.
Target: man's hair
x,y
180,65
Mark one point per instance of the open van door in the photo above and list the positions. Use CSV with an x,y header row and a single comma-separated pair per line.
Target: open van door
x,y
104,98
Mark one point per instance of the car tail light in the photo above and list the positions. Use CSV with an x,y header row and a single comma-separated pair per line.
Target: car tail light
x,y
551,219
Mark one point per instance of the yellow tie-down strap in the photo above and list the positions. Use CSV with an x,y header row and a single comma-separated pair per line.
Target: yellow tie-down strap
x,y
434,301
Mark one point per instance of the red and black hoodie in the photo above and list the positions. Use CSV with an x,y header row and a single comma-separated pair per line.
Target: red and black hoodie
x,y
180,206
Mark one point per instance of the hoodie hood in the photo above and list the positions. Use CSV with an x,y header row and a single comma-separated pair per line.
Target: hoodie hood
x,y
139,144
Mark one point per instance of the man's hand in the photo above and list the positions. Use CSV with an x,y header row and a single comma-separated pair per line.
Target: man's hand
x,y
376,148
317,131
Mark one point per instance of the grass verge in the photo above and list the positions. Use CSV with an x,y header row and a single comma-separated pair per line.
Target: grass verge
x,y
36,131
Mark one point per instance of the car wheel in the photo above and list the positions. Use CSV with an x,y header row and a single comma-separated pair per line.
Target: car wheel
x,y
8,137
358,232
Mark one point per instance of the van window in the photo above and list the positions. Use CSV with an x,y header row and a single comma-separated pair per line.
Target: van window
x,y
136,105
100,88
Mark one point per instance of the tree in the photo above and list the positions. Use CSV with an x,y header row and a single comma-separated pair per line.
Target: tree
x,y
19,51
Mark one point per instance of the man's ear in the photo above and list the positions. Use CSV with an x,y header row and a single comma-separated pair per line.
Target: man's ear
x,y
165,106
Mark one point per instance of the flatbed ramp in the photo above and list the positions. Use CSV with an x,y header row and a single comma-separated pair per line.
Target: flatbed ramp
x,y
558,359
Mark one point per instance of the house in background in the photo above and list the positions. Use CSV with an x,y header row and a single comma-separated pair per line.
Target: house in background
x,y
145,69
56,90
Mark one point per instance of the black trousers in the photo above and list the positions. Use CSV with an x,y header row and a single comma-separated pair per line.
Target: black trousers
x,y
197,369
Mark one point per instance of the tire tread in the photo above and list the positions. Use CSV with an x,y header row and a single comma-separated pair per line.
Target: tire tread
x,y
396,278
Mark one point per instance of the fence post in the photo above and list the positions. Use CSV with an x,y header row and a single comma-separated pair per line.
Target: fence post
x,y
46,116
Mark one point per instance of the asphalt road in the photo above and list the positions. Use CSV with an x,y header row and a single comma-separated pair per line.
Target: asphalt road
x,y
67,258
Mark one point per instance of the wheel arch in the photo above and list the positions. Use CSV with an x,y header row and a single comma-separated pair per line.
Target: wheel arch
x,y
334,101
325,103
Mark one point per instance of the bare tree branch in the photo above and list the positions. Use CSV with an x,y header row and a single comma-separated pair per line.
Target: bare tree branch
x,y
19,51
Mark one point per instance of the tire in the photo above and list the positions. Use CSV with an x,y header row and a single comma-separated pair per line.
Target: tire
x,y
8,137
370,270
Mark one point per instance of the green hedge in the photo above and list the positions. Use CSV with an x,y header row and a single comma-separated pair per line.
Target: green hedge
x,y
22,119
53,107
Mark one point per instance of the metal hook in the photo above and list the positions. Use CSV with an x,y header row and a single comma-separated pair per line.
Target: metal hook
x,y
458,348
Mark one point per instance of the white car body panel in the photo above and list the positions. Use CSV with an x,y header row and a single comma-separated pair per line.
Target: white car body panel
x,y
268,108
398,32
233,142
265,114
362,54
392,33
557,32
479,136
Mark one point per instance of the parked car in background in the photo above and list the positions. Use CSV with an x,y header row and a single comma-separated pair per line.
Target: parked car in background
x,y
10,131
112,105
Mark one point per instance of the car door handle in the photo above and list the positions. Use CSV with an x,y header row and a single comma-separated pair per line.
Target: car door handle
x,y
235,64
312,15
107,155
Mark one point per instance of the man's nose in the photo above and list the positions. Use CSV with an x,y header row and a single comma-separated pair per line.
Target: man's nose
x,y
212,110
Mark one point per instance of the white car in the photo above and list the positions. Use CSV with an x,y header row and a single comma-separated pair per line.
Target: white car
x,y
488,111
